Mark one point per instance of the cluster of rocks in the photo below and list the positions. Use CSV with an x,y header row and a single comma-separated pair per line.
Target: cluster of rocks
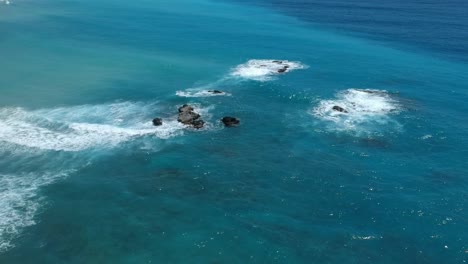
x,y
285,66
188,116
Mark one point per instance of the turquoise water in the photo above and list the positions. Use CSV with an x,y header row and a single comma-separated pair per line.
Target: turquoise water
x,y
86,178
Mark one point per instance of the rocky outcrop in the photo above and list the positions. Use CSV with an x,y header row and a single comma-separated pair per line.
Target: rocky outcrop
x,y
187,116
230,121
185,108
339,109
157,122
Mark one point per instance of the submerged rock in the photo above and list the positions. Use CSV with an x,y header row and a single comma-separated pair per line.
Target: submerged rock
x,y
157,122
215,91
230,121
339,109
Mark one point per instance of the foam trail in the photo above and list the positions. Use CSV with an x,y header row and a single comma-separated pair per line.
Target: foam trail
x,y
256,70
364,110
82,127
19,202
66,129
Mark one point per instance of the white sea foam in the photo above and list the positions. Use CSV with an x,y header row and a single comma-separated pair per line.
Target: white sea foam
x,y
82,127
264,70
364,109
6,2
200,93
426,137
355,237
19,202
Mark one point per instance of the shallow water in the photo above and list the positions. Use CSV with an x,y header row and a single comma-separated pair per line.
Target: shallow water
x,y
85,177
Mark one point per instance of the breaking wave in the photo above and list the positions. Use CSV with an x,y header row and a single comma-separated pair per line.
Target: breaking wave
x,y
265,70
358,110
201,93
83,127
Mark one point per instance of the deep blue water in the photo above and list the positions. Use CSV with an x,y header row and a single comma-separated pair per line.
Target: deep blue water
x,y
439,28
86,178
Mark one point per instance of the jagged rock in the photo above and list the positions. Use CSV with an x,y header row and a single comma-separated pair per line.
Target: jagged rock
x,y
230,121
339,109
185,108
198,123
187,117
157,122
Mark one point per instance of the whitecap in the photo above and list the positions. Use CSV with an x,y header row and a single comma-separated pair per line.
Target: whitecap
x,y
361,110
200,93
19,202
264,70
426,137
355,237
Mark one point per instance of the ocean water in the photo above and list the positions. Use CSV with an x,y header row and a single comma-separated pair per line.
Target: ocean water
x,y
86,178
438,27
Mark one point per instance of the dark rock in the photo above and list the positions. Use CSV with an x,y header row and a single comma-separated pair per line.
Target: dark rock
x,y
339,109
198,123
230,121
157,122
188,117
282,70
277,61
215,92
185,108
